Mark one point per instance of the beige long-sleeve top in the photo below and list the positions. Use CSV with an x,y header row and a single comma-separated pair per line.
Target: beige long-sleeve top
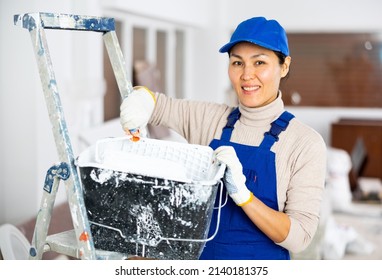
x,y
300,154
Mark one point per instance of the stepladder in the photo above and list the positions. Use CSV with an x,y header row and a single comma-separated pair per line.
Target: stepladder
x,y
77,243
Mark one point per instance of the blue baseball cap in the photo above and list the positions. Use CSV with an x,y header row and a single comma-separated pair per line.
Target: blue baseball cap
x,y
268,34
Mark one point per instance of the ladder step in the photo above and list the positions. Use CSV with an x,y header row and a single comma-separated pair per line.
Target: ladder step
x,y
65,243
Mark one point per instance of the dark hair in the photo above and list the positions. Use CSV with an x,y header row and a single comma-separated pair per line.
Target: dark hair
x,y
281,58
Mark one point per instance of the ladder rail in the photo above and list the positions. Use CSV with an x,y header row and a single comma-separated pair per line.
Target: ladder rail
x,y
118,63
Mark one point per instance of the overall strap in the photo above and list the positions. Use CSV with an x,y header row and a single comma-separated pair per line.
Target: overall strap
x,y
231,120
277,127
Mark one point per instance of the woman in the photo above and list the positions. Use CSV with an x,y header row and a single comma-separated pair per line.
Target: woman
x,y
275,164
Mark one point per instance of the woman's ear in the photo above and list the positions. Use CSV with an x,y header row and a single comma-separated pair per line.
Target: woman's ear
x,y
285,66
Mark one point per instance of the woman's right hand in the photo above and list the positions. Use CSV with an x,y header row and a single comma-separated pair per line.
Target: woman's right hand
x,y
137,108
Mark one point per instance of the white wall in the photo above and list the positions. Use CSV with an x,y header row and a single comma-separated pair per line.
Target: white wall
x,y
20,102
26,145
193,13
302,16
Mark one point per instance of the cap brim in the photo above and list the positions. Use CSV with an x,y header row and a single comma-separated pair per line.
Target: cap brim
x,y
227,47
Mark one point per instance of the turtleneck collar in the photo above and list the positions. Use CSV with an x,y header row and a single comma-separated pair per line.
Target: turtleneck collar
x,y
263,115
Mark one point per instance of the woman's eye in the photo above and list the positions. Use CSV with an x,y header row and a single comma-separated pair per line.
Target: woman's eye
x,y
259,62
237,63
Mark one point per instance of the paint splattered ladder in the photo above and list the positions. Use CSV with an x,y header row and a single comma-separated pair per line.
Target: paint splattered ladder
x,y
77,243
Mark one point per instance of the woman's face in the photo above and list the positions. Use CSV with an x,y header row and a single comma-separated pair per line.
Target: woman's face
x,y
255,74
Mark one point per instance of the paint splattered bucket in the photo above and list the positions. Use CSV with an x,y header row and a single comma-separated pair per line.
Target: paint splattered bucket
x,y
150,198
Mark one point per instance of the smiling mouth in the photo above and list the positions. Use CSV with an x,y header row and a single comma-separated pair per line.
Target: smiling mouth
x,y
251,88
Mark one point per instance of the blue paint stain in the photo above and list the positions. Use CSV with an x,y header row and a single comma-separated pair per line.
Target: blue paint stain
x,y
28,22
60,171
41,49
102,24
53,85
32,252
86,23
93,23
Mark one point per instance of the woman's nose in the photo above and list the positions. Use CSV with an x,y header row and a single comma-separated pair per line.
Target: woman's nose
x,y
248,73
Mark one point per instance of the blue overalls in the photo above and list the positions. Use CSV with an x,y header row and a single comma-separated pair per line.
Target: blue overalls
x,y
238,237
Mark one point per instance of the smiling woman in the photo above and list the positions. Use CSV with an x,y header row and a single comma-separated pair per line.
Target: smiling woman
x,y
275,164
255,73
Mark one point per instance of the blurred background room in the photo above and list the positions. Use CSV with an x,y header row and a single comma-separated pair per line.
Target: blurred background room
x,y
335,86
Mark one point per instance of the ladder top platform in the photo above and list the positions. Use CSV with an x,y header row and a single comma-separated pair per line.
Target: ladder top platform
x,y
64,21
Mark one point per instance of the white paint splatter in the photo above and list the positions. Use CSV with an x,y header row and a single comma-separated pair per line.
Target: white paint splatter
x,y
102,176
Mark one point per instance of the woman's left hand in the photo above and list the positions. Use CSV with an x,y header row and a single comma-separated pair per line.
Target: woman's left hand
x,y
234,178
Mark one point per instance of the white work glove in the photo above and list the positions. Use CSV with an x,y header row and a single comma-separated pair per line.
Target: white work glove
x,y
234,178
137,108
